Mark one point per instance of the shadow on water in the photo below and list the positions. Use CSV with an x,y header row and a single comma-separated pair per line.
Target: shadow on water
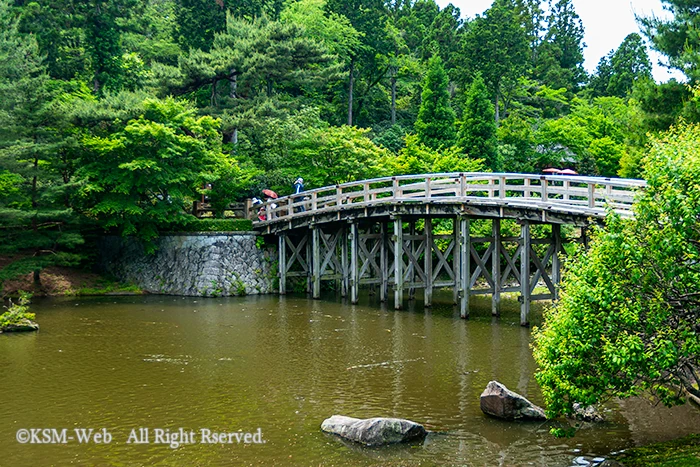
x,y
284,364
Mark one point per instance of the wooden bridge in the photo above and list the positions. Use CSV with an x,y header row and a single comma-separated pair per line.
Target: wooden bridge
x,y
388,232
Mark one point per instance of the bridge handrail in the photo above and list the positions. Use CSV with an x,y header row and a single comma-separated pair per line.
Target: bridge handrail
x,y
579,194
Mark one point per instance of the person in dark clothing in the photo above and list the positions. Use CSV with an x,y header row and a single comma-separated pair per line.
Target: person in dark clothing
x,y
298,188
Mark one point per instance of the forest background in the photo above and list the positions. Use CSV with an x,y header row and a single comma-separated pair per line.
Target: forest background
x,y
115,113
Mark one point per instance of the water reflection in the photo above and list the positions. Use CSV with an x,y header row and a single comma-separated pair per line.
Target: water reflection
x,y
284,364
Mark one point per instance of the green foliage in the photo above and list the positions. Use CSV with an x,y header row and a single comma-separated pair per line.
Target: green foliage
x,y
628,317
213,225
139,178
417,158
677,37
36,160
435,125
618,72
477,134
684,451
18,312
497,47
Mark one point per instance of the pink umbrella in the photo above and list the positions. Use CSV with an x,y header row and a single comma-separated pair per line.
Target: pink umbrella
x,y
269,193
568,172
551,170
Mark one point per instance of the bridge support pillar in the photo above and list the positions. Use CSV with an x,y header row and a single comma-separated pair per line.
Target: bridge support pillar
x,y
282,251
316,261
556,261
344,266
525,290
398,263
464,252
456,260
428,265
383,263
411,267
354,264
496,268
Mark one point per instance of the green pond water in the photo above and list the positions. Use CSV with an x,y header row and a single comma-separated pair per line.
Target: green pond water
x,y
283,365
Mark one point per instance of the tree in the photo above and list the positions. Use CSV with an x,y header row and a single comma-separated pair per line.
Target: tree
x,y
435,125
629,63
560,59
497,47
36,169
140,178
477,134
677,37
417,158
618,72
628,318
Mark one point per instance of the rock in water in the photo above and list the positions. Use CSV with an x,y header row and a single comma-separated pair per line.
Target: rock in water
x,y
587,414
374,431
498,401
24,325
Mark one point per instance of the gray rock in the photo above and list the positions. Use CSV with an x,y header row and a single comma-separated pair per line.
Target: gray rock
x,y
498,401
587,414
374,431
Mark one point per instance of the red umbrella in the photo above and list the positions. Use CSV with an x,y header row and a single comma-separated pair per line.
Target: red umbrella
x,y
551,171
568,172
269,193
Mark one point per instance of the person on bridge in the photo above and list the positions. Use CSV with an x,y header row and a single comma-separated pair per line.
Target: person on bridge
x,y
298,187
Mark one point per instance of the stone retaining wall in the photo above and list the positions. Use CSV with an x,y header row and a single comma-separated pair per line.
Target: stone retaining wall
x,y
195,264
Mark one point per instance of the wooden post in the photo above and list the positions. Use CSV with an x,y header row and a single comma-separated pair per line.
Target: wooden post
x,y
398,263
496,268
428,269
354,264
309,265
584,236
456,260
556,261
525,241
316,261
411,266
465,271
282,274
345,280
384,263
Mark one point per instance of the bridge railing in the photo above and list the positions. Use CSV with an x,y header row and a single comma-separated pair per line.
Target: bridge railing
x,y
573,194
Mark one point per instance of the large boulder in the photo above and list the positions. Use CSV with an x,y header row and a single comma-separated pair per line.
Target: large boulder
x,y
498,401
374,431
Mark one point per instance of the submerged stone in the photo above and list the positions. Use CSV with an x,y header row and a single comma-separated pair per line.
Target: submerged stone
x,y
24,325
374,431
587,414
499,401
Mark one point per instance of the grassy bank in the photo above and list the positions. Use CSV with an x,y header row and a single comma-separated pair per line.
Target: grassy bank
x,y
63,281
683,452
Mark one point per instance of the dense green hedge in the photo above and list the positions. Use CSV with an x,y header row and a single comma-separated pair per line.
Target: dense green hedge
x,y
215,225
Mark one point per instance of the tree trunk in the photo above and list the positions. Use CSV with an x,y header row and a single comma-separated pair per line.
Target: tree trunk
x,y
350,90
498,104
233,94
393,100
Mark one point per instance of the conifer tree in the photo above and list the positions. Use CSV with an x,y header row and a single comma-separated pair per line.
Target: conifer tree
x,y
36,223
435,125
477,134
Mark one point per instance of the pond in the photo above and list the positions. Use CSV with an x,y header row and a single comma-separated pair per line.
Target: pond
x,y
281,366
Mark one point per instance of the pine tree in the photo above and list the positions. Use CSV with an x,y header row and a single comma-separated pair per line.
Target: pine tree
x,y
36,221
677,38
435,125
497,46
477,134
630,63
560,61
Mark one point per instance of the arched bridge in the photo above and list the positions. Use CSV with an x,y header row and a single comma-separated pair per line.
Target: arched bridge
x,y
383,232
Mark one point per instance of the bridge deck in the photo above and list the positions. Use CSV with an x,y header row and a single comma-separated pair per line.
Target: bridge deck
x,y
544,198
